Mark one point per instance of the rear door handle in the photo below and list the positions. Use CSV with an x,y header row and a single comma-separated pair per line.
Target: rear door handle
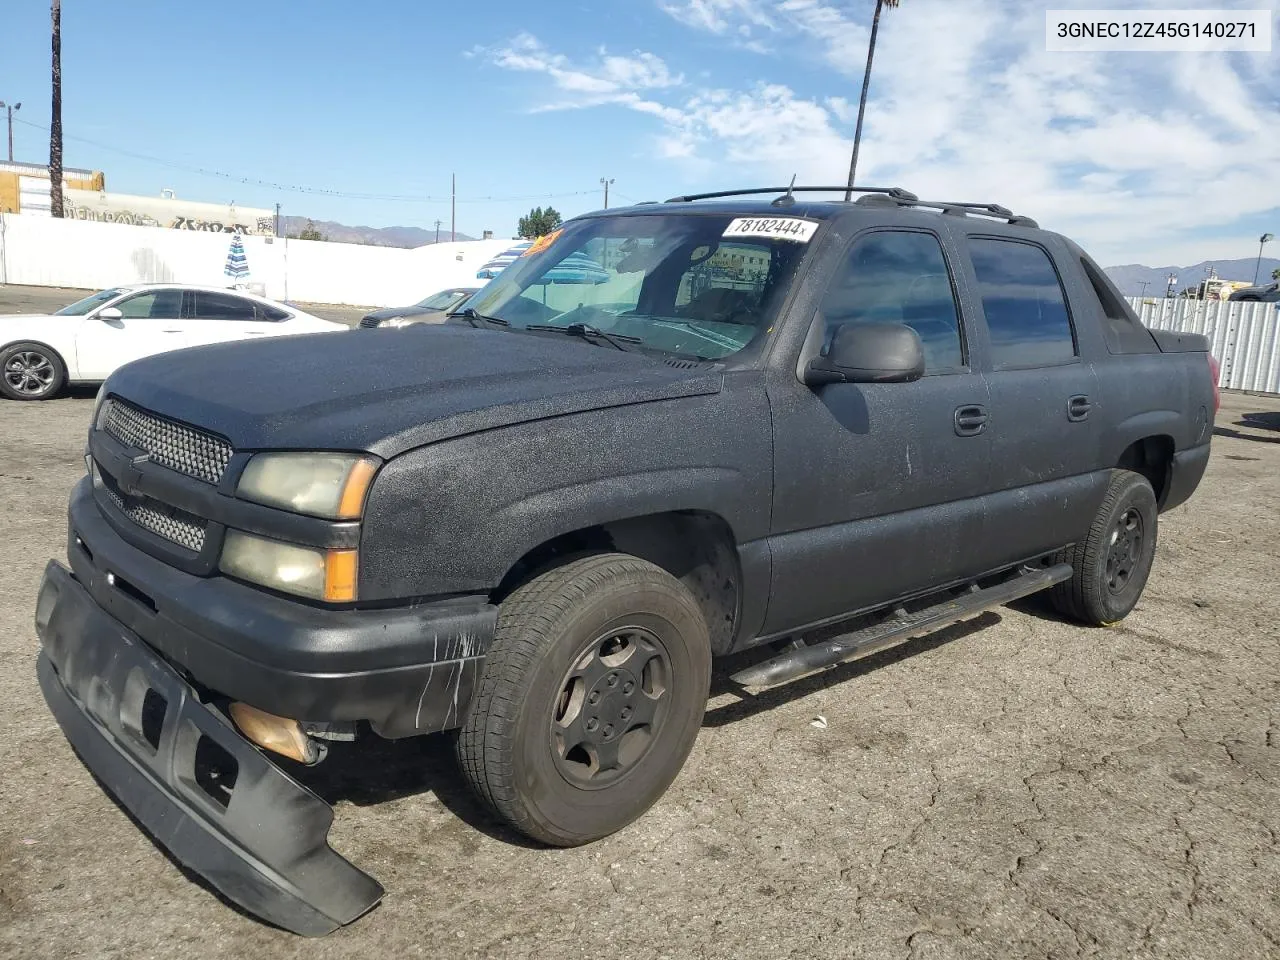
x,y
1078,408
970,420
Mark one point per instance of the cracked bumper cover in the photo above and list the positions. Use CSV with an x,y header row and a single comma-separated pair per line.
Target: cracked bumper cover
x,y
262,843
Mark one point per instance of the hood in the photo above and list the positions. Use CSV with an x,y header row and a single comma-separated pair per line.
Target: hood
x,y
387,391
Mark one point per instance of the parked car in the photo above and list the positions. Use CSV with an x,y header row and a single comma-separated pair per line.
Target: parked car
x,y
87,340
537,523
430,310
1266,293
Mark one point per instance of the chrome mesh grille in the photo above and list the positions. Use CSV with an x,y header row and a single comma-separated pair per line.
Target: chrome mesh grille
x,y
174,525
174,445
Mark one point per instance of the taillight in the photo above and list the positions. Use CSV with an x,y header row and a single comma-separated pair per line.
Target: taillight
x,y
1214,372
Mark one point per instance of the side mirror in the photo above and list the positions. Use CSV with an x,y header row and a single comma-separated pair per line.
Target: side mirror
x,y
869,353
110,313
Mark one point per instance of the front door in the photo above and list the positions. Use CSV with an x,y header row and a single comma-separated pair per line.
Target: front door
x,y
878,486
150,322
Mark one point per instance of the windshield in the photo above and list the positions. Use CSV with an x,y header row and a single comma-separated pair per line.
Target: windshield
x,y
693,285
81,307
445,299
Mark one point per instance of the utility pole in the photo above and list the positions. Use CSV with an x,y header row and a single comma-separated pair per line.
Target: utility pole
x,y
437,231
10,107
605,183
1145,284
453,210
1262,240
1172,281
56,208
866,84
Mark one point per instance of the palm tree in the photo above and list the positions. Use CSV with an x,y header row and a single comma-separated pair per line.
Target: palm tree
x,y
866,83
55,122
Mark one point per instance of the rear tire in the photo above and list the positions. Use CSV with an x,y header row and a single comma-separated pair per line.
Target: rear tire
x,y
1112,563
592,695
31,371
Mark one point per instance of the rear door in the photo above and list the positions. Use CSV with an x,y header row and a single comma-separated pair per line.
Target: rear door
x,y
150,322
1044,402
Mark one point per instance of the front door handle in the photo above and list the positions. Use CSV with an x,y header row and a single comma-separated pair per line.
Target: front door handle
x,y
970,420
1078,408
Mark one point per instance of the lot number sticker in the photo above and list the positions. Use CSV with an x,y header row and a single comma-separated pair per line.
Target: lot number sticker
x,y
779,228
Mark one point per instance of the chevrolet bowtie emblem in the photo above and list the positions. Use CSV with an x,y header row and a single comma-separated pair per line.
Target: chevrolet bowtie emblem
x,y
131,475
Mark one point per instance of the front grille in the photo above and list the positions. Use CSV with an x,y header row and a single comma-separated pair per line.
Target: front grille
x,y
367,322
172,444
174,525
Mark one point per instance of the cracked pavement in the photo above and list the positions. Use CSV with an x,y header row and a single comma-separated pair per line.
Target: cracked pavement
x,y
1013,787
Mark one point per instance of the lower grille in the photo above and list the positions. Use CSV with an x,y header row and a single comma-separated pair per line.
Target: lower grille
x,y
367,322
176,526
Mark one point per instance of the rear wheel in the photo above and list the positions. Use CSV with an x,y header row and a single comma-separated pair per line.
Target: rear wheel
x,y
1111,564
31,371
592,695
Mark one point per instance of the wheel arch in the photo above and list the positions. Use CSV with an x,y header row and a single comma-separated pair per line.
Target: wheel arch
x,y
67,369
696,547
1152,457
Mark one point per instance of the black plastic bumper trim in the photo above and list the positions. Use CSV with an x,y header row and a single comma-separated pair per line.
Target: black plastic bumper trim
x,y
264,845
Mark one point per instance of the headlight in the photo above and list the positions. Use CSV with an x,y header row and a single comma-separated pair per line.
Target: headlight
x,y
305,571
395,322
329,485
100,408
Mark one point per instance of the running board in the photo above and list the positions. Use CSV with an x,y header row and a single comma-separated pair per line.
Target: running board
x,y
802,660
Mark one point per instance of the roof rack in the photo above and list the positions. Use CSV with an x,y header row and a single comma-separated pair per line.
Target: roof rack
x,y
875,196
954,208
896,192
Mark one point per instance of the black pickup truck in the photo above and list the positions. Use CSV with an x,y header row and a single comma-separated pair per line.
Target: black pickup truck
x,y
667,433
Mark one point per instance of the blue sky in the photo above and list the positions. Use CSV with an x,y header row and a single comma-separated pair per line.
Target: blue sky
x,y
1159,158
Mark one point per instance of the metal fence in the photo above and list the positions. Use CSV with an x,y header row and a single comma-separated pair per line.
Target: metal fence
x,y
1245,337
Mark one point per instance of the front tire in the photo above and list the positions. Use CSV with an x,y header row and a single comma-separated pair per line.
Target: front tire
x,y
592,695
1112,563
31,371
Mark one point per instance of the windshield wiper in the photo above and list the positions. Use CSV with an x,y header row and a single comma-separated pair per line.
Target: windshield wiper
x,y
590,334
475,318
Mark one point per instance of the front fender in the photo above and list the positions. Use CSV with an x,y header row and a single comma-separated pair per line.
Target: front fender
x,y
454,517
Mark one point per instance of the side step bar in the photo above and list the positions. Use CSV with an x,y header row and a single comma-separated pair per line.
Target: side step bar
x,y
802,660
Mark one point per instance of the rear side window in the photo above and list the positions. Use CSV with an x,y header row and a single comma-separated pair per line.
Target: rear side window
x,y
222,306
1024,303
1124,334
271,314
895,276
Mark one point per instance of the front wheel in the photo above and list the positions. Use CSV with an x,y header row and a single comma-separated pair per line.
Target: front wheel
x,y
1112,563
592,695
31,371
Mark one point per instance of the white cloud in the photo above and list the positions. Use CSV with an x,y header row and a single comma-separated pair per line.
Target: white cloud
x,y
1140,157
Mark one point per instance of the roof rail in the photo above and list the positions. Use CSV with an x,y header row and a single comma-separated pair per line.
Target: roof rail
x,y
952,208
878,197
896,193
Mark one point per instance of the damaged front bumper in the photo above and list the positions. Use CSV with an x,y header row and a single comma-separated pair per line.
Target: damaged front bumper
x,y
204,792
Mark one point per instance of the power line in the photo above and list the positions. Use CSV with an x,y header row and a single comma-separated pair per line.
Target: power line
x,y
295,188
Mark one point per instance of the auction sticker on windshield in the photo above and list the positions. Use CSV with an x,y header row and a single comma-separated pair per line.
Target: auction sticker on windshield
x,y
779,228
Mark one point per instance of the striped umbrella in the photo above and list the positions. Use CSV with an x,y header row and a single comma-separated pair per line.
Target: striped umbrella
x,y
503,260
237,267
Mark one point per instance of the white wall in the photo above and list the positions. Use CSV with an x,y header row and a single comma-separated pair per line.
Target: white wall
x,y
42,251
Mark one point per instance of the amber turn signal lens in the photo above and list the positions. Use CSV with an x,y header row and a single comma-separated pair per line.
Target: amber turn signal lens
x,y
277,734
340,575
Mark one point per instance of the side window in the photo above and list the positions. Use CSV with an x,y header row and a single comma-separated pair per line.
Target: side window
x,y
160,304
222,306
899,277
1025,306
1123,332
271,314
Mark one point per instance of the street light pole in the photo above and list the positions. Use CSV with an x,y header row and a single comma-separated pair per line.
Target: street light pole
x,y
10,107
866,84
605,183
1262,240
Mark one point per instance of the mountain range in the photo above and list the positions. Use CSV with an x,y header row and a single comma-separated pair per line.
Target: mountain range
x,y
1131,276
374,236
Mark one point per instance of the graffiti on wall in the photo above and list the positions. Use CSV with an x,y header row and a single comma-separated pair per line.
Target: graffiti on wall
x,y
256,226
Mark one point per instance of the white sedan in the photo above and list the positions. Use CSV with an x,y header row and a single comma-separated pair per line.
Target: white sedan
x,y
86,341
